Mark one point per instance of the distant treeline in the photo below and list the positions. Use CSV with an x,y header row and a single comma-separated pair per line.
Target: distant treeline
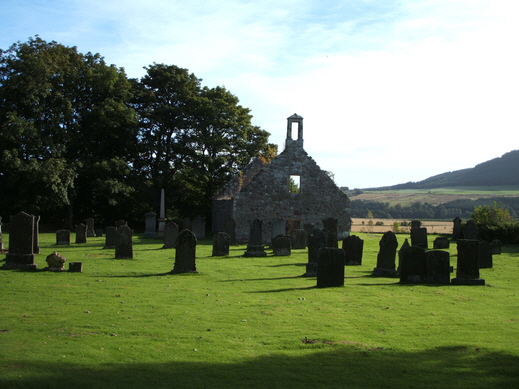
x,y
462,208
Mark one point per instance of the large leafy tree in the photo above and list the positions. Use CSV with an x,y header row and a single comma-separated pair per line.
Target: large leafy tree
x,y
67,134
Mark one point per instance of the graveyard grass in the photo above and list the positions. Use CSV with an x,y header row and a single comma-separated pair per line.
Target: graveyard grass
x,y
251,323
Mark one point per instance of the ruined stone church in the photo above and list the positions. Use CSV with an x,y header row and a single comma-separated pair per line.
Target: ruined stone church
x,y
291,187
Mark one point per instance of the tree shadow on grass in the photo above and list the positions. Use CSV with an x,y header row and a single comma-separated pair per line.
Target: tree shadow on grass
x,y
323,364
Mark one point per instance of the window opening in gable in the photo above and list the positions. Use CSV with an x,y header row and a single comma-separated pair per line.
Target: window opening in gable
x,y
294,130
294,184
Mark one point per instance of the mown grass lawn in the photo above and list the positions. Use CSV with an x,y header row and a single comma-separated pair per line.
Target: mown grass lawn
x,y
251,323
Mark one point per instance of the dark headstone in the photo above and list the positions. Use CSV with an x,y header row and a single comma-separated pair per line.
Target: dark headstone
x,y
467,271
150,228
185,253
111,237
497,246
316,241
353,247
330,268
75,267
419,237
330,231
63,237
124,243
470,230
438,267
21,243
279,228
99,232
230,229
416,224
441,243
298,239
81,233
90,227
255,247
119,223
386,256
456,228
36,235
412,266
170,235
485,255
221,243
55,262
308,227
282,246
198,227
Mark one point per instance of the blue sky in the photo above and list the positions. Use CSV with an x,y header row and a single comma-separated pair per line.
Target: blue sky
x,y
390,91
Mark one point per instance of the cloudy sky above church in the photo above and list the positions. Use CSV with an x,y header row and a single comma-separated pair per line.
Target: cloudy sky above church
x,y
390,91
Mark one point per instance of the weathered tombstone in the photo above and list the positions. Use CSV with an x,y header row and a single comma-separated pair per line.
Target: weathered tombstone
x,y
111,237
467,271
416,224
353,247
99,232
170,235
330,231
63,237
120,223
330,267
75,267
55,262
198,227
308,227
419,237
438,267
412,265
405,244
470,230
185,253
485,255
230,229
81,233
298,239
150,229
386,256
456,228
316,240
124,243
255,247
162,214
221,242
187,224
21,243
441,243
282,246
279,228
90,227
36,235
497,246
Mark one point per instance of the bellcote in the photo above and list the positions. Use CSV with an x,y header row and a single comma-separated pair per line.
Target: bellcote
x,y
294,123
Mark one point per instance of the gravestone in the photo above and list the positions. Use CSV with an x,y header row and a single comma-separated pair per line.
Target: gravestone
x,y
308,227
438,267
21,243
298,239
75,267
162,214
330,267
456,228
416,224
1,241
187,224
81,233
316,241
63,237
497,246
55,262
467,270
419,237
330,231
221,242
198,227
230,229
111,237
90,227
353,247
470,230
441,243
405,244
255,247
485,255
99,232
279,228
282,246
124,243
36,235
412,265
120,223
185,253
386,256
170,235
150,229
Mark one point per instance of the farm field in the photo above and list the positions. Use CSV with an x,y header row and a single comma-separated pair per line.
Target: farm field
x,y
433,227
251,323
